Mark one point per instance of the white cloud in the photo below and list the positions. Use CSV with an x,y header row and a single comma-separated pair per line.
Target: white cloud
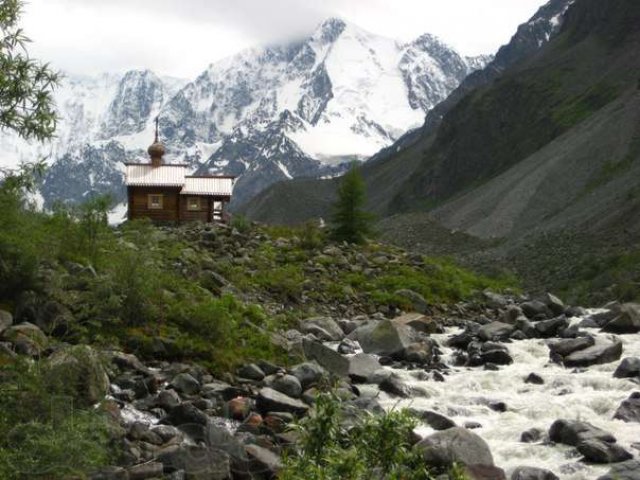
x,y
180,37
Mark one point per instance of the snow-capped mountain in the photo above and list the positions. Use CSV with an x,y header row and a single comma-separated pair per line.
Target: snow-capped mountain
x,y
306,108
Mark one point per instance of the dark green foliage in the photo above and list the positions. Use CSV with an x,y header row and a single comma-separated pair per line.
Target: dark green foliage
x,y
350,223
42,434
26,102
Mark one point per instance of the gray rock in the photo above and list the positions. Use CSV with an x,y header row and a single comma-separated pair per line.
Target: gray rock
x,y
328,358
185,383
532,473
197,462
556,305
435,420
418,322
270,400
80,368
627,321
535,309
417,301
570,345
27,339
185,414
598,451
483,472
251,372
598,354
629,409
167,399
348,347
573,432
362,366
287,384
629,470
394,385
535,379
600,319
495,300
532,435
551,328
6,320
324,328
495,331
497,357
455,445
263,461
308,374
145,471
385,338
628,368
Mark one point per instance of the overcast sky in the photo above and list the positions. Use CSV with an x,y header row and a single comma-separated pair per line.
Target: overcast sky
x,y
181,37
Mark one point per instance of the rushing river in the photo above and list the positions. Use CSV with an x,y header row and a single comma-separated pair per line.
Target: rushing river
x,y
592,395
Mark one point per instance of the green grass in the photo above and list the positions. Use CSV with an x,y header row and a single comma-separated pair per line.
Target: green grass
x,y
576,109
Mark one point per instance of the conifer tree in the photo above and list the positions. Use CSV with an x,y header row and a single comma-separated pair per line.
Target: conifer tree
x,y
350,222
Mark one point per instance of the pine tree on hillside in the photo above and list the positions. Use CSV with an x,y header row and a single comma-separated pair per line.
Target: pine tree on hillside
x,y
350,222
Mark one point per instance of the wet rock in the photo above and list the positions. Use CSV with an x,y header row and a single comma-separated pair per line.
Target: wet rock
x,y
496,357
362,366
263,461
629,409
418,322
562,348
185,414
472,425
461,340
197,462
267,367
536,310
251,372
326,357
600,319
627,320
308,373
600,353
598,451
325,328
417,301
455,445
185,383
238,408
554,303
80,368
495,300
270,400
532,435
629,470
26,338
421,353
551,328
287,384
495,331
394,385
6,320
145,471
535,379
628,368
500,407
435,420
385,338
532,473
348,347
573,432
484,472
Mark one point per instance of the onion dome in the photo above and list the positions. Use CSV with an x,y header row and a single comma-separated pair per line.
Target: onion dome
x,y
156,150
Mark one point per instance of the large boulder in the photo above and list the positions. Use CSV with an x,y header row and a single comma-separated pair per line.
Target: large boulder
x,y
308,373
197,462
536,310
627,321
629,470
385,337
418,322
435,420
554,303
628,368
79,369
264,462
417,301
574,432
551,328
270,400
455,445
185,383
287,384
598,451
26,338
6,320
532,473
483,472
495,331
328,358
362,366
562,348
598,354
629,409
325,328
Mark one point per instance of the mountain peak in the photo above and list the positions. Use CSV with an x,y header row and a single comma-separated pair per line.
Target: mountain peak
x,y
331,29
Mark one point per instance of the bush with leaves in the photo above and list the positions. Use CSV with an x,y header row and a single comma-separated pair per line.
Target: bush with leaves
x,y
350,222
371,446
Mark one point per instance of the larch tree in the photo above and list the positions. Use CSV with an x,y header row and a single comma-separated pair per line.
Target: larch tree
x,y
350,222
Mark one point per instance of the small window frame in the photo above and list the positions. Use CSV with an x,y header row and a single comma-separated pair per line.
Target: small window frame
x,y
155,201
194,207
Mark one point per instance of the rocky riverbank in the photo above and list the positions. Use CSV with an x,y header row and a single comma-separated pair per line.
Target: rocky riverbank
x,y
177,420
